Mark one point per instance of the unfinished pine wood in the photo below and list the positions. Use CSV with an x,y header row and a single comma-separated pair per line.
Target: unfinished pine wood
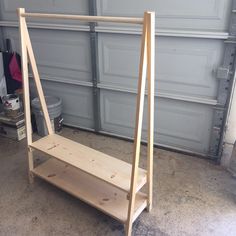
x,y
89,189
37,79
30,164
96,178
129,20
138,126
104,167
25,75
151,81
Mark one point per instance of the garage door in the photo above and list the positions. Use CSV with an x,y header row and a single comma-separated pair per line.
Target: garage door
x,y
189,50
94,68
62,55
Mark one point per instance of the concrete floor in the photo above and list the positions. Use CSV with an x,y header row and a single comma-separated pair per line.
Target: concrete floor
x,y
192,196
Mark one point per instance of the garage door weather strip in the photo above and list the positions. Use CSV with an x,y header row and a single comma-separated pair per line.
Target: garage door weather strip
x,y
114,185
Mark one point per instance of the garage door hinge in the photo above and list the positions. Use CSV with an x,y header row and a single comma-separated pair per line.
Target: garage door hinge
x,y
92,27
223,73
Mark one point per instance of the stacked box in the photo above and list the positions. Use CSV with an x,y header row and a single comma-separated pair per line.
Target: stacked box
x,y
13,128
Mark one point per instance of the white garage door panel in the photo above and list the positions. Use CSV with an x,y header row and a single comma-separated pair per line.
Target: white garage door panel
x,y
8,7
183,66
77,102
190,48
191,14
59,54
179,124
62,53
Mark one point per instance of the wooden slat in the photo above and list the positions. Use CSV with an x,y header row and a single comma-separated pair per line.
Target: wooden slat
x,y
37,79
104,167
138,127
151,81
24,65
129,20
91,190
30,164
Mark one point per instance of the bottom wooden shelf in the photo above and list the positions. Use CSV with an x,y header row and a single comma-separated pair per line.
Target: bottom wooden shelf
x,y
89,189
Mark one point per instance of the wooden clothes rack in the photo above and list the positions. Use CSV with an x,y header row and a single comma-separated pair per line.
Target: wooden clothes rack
x,y
108,184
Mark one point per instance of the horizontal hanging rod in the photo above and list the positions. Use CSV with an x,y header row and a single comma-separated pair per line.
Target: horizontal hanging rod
x,y
129,20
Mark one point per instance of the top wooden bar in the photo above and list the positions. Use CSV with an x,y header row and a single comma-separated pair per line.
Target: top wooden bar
x,y
129,20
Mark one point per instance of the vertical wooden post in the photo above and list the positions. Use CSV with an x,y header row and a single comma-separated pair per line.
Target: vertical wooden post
x,y
24,64
151,82
24,68
138,126
31,164
37,80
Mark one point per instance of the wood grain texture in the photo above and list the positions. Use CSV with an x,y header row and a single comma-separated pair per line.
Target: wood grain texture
x,y
25,76
37,80
94,177
138,126
104,167
129,20
89,189
151,82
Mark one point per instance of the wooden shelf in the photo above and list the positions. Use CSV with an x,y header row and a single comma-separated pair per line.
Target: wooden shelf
x,y
89,189
98,164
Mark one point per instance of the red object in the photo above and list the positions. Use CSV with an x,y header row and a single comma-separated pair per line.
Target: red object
x,y
14,69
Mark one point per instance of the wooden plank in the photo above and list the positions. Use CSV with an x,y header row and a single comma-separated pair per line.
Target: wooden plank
x,y
30,164
129,20
138,126
151,81
104,167
31,161
93,191
37,80
24,65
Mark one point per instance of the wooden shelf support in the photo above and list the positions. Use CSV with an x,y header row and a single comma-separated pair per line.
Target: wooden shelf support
x,y
151,89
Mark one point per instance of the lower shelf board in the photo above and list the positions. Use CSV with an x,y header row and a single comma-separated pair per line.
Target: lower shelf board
x,y
89,189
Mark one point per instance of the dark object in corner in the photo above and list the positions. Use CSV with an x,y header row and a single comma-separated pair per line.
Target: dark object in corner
x,y
7,55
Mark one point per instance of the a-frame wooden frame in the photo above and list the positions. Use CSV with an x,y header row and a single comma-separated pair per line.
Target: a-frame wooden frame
x,y
114,186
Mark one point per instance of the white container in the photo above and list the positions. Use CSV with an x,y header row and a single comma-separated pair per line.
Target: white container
x,y
11,105
54,105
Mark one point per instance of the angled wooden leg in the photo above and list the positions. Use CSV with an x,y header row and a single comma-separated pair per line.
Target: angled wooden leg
x,y
151,81
138,128
24,66
31,165
128,229
37,79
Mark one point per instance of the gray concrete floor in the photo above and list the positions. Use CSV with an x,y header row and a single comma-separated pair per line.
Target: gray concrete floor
x,y
192,196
